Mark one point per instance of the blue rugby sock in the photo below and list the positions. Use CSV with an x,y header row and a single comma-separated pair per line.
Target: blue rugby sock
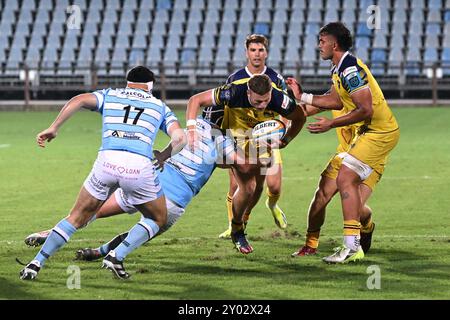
x,y
57,238
143,231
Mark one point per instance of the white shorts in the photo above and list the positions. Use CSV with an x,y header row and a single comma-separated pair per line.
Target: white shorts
x,y
360,168
174,212
134,173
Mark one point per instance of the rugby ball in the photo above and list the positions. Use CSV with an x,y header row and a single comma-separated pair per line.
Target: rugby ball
x,y
269,130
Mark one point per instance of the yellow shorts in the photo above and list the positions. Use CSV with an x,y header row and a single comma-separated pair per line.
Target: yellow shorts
x,y
333,166
373,148
251,151
276,153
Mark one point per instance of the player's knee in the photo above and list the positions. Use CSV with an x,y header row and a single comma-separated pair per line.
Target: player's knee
x,y
274,188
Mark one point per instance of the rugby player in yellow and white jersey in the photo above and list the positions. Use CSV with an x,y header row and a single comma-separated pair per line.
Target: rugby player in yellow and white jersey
x,y
327,189
256,50
245,105
355,91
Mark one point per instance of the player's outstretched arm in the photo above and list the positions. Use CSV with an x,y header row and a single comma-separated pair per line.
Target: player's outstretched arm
x,y
363,111
177,142
201,99
329,101
86,100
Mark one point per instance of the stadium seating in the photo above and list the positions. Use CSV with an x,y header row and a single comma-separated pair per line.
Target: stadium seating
x,y
204,37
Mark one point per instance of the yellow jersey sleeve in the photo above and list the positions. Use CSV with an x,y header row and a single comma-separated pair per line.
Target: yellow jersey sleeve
x,y
351,76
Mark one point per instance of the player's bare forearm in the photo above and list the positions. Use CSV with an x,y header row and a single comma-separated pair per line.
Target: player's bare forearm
x,y
298,119
195,102
363,111
86,100
353,116
311,110
327,101
178,139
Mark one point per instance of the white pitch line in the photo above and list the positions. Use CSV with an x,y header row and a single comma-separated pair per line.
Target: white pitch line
x,y
4,146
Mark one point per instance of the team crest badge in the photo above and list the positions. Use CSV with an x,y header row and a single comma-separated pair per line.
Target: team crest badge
x,y
354,82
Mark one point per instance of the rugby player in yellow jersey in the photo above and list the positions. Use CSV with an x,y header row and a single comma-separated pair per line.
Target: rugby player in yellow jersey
x,y
357,93
327,189
245,104
256,46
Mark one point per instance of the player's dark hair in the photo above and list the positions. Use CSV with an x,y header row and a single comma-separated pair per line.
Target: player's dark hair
x,y
260,84
257,38
340,32
140,74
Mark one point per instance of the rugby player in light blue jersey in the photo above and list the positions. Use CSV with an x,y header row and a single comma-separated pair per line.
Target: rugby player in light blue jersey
x,y
182,178
131,118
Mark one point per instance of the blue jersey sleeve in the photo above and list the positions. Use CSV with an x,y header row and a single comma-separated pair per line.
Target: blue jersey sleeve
x,y
169,119
222,95
100,95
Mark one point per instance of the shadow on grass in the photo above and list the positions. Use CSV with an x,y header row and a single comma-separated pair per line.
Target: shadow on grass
x,y
11,291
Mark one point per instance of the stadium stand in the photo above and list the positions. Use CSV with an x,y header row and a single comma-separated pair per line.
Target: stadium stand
x,y
199,42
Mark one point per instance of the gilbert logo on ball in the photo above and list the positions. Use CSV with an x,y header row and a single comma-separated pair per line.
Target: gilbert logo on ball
x,y
269,130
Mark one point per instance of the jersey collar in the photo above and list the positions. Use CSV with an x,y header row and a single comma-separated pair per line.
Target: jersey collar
x,y
336,69
251,74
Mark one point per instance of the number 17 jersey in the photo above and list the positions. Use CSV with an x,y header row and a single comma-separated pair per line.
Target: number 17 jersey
x,y
131,119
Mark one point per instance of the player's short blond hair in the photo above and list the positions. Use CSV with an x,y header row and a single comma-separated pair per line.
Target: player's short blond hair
x,y
256,38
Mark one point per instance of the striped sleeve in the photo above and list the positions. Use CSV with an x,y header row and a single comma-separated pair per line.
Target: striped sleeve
x,y
222,95
169,119
100,95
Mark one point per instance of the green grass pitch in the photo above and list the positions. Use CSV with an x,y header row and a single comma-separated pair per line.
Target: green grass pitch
x,y
411,208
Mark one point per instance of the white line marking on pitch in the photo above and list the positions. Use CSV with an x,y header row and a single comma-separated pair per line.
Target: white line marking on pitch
x,y
4,146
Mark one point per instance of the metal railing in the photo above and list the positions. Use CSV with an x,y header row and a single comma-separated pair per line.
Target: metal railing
x,y
403,80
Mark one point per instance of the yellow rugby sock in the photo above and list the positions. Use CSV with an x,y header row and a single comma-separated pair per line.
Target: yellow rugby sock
x,y
229,208
273,198
312,239
352,228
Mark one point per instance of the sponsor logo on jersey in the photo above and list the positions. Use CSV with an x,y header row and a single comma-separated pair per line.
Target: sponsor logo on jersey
x,y
125,135
350,70
285,103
